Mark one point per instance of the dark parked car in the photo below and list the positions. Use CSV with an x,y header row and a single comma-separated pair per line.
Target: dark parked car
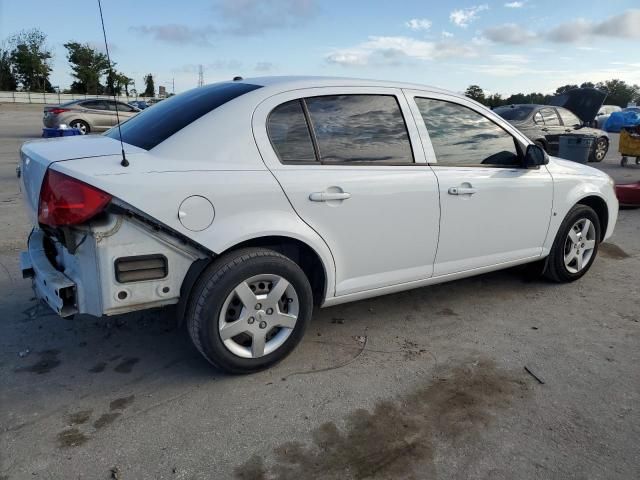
x,y
544,124
141,104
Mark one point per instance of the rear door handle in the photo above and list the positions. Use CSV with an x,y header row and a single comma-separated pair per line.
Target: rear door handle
x,y
328,196
544,129
462,191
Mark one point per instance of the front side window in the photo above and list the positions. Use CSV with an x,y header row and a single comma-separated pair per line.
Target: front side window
x,y
462,137
550,117
359,128
568,118
289,133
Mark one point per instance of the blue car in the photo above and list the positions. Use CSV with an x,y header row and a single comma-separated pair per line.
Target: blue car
x,y
139,104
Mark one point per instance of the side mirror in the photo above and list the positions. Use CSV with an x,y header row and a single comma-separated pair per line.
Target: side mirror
x,y
535,156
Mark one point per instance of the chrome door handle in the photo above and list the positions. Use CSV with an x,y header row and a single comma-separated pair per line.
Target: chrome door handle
x,y
462,191
328,196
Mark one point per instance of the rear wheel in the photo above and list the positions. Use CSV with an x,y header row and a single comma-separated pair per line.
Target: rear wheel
x,y
249,310
80,125
600,150
576,245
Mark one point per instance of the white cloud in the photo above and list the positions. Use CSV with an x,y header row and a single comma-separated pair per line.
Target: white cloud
x,y
464,16
446,34
509,33
625,25
177,34
347,58
515,4
419,24
394,50
251,17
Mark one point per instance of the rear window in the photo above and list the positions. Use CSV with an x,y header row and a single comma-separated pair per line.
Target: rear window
x,y
154,125
514,113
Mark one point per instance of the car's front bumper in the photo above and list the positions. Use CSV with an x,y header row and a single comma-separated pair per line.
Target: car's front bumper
x,y
49,284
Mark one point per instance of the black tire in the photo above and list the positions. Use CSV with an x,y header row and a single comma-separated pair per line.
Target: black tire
x,y
80,125
218,281
599,155
556,269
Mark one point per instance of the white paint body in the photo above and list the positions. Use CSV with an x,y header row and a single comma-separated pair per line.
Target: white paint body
x,y
400,228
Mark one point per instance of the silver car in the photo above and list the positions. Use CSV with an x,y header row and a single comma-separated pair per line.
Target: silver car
x,y
93,115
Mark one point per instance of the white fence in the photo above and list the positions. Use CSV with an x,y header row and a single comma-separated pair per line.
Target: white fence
x,y
56,98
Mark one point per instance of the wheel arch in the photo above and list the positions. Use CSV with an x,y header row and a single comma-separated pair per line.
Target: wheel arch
x,y
599,205
295,249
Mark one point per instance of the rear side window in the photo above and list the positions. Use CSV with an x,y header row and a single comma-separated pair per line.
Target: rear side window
x,y
537,119
359,129
94,105
154,125
550,117
289,133
568,118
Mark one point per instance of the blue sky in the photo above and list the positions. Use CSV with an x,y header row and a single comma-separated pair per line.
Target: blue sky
x,y
504,46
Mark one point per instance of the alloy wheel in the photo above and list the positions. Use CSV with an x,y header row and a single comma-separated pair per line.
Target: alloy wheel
x,y
579,245
80,126
601,149
258,316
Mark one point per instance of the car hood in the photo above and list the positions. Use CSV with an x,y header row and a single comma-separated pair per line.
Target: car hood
x,y
584,102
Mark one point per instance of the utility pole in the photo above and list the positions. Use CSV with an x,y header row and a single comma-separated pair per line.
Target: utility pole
x,y
200,76
173,85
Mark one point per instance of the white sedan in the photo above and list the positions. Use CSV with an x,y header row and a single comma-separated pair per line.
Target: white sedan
x,y
247,203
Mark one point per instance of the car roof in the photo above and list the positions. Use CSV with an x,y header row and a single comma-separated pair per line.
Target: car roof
x,y
285,83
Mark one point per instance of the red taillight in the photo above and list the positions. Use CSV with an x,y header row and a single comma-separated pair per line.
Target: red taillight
x,y
67,201
56,111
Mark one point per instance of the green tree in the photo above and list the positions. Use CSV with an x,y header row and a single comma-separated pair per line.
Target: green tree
x,y
87,66
587,85
149,86
123,82
494,100
565,88
517,98
538,98
7,78
619,92
30,60
476,93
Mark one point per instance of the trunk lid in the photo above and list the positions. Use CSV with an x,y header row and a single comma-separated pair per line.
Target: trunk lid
x,y
37,155
584,102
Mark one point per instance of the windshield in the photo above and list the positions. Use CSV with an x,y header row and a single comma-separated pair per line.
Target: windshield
x,y
154,125
515,112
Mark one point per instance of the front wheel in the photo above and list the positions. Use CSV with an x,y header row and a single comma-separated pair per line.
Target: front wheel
x,y
600,150
575,246
249,310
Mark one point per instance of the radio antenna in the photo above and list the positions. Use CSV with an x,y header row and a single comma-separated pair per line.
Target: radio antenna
x,y
124,162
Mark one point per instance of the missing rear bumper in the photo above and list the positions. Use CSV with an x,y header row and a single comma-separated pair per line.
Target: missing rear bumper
x,y
49,284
